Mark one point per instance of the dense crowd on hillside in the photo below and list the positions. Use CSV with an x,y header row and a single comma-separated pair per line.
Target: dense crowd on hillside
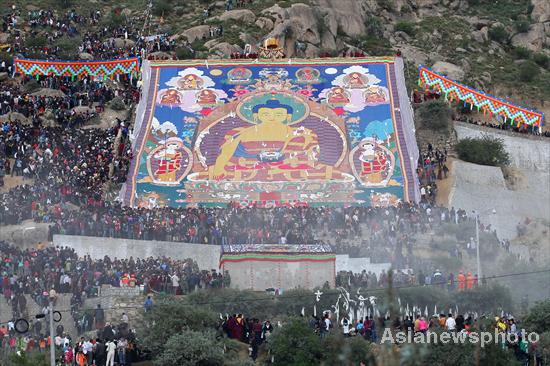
x,y
71,102
53,34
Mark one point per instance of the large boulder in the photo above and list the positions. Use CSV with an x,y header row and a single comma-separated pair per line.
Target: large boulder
x,y
541,11
47,92
306,23
535,40
276,12
328,41
4,37
240,15
121,42
3,76
481,36
299,23
264,23
198,32
311,51
226,49
85,56
14,116
448,69
349,15
426,3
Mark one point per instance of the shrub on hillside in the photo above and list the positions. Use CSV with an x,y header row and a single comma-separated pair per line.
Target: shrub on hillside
x,y
374,27
541,59
435,115
522,53
522,26
498,34
35,42
528,71
184,53
162,8
486,150
406,27
67,47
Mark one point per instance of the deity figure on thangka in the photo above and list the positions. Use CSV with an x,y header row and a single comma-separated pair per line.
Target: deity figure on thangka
x,y
280,142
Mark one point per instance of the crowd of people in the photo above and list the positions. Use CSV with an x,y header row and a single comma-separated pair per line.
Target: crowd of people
x,y
114,345
462,281
248,330
511,127
36,272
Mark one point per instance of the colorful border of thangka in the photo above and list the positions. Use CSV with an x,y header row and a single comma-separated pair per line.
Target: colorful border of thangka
x,y
105,68
482,101
269,257
276,253
277,248
320,132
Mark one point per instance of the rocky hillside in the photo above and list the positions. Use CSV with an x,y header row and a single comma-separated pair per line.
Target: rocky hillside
x,y
499,46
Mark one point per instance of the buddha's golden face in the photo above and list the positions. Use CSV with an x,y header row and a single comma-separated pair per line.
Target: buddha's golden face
x,y
273,115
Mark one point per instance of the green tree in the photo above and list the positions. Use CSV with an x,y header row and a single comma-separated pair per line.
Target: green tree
x,y
538,319
296,344
486,150
26,359
440,354
435,115
489,299
162,8
191,348
170,317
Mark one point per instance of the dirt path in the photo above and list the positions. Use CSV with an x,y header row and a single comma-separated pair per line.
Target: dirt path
x,y
445,186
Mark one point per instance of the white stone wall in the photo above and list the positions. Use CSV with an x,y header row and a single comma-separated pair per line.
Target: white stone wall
x,y
483,188
206,256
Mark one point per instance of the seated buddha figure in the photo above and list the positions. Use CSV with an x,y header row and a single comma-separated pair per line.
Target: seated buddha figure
x,y
270,149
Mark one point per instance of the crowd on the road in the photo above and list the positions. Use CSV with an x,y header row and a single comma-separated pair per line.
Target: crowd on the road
x,y
510,127
369,280
432,166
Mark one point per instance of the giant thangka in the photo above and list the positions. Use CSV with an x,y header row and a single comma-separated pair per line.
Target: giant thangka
x,y
273,133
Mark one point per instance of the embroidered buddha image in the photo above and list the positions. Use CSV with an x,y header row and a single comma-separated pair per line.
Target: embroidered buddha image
x,y
270,149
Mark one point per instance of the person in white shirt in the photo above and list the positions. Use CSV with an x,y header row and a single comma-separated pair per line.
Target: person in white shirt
x,y
175,283
345,326
111,348
450,323
58,341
